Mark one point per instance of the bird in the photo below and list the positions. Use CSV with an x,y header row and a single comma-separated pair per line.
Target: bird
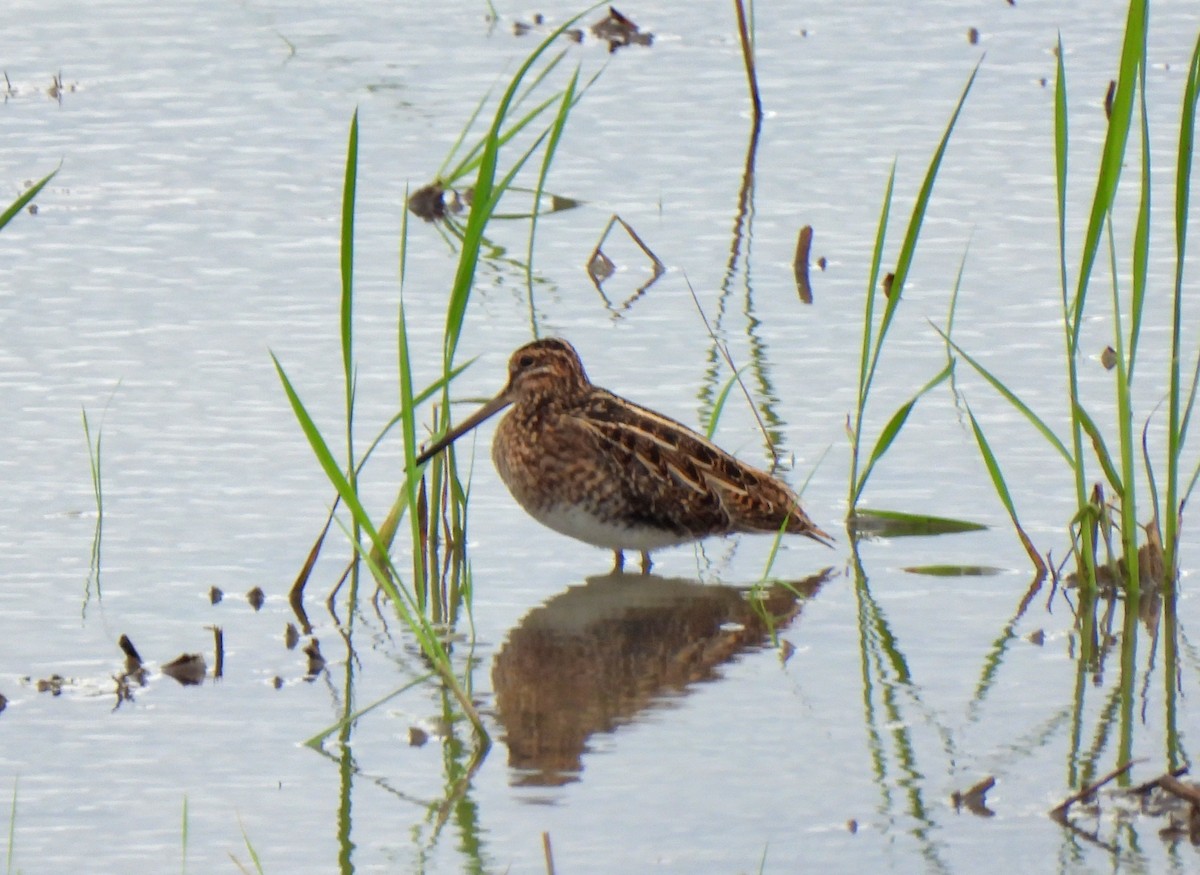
x,y
601,469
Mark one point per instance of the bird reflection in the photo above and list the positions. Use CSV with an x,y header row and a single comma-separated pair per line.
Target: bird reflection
x,y
595,656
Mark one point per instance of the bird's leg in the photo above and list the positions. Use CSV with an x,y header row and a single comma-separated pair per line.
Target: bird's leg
x,y
618,562
646,563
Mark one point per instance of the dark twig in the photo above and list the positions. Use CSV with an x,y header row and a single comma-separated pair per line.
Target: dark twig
x,y
974,799
800,264
737,375
748,57
1143,789
1059,812
1186,792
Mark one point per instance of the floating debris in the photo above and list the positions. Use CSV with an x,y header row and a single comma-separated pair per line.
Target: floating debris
x,y
134,673
131,654
291,637
256,597
973,799
218,651
600,267
215,595
973,36
1167,797
1108,98
3,703
189,669
1060,811
434,201
316,662
57,87
786,651
619,31
1108,358
417,736
52,685
277,682
800,264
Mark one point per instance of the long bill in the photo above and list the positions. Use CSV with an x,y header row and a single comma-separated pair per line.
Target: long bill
x,y
483,413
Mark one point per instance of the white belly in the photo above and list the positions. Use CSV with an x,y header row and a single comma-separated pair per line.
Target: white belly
x,y
578,523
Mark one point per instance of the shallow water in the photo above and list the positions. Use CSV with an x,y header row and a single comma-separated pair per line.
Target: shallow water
x,y
193,226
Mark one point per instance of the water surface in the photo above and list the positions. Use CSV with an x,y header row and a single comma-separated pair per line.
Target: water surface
x,y
193,226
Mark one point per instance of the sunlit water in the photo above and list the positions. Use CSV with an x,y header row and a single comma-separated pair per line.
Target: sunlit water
x,y
193,227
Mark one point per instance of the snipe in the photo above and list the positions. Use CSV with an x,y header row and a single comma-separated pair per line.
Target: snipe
x,y
609,472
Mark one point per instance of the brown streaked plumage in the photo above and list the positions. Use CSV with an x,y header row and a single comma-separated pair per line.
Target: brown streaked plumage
x,y
609,472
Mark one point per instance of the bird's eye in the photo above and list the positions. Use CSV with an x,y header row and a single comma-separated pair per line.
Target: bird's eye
x,y
525,361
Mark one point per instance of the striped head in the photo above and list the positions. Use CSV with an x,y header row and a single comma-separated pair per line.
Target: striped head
x,y
544,370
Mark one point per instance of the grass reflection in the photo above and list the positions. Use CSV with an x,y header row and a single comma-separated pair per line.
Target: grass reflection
x,y
886,683
1105,727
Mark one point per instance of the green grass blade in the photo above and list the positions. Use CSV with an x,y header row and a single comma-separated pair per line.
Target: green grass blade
x,y
409,428
1074,459
1141,241
349,187
1061,140
1133,53
1177,425
462,135
1034,420
317,740
483,203
872,349
12,826
1002,491
869,350
893,427
20,203
402,599
1102,453
94,462
900,524
556,129
865,356
472,159
1128,508
475,157
250,848
909,247
321,449
349,496
719,402
950,310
